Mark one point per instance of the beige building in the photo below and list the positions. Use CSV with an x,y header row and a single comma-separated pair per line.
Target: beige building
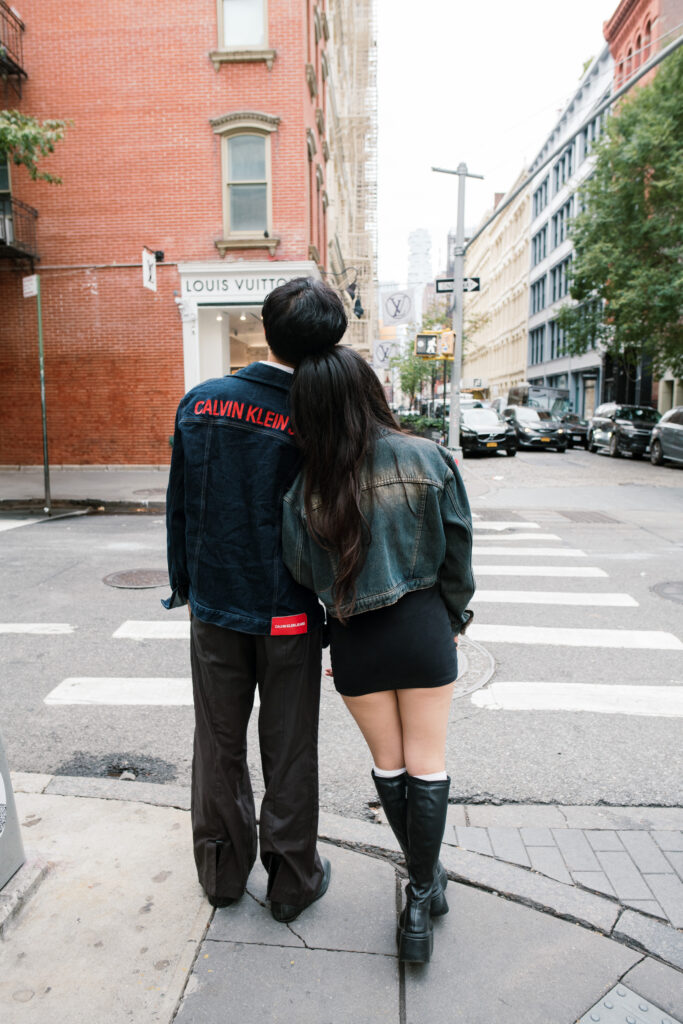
x,y
496,317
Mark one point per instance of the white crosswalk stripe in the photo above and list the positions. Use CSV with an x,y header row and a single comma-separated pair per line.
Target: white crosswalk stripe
x,y
582,599
36,628
526,552
137,629
503,524
650,701
643,639
121,690
519,536
575,571
13,524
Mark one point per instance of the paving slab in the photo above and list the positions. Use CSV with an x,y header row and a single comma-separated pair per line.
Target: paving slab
x,y
661,940
357,913
112,931
516,815
644,852
116,789
531,888
551,972
364,834
29,782
658,983
271,985
622,817
16,893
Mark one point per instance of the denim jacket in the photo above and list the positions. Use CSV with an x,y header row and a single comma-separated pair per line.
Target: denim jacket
x,y
421,530
234,457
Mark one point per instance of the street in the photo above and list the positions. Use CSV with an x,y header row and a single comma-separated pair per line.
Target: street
x,y
568,551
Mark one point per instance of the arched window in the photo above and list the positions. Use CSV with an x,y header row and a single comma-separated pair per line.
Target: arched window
x,y
247,180
629,62
639,51
647,41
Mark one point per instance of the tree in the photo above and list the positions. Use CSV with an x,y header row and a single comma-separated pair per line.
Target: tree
x,y
627,274
412,371
24,141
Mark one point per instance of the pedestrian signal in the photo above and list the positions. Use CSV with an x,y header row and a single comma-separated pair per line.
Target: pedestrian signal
x,y
434,345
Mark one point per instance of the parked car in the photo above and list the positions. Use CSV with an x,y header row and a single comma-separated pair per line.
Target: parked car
x,y
622,429
666,441
483,431
575,428
535,428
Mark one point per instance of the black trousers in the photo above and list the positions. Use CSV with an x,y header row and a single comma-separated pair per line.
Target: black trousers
x,y
227,666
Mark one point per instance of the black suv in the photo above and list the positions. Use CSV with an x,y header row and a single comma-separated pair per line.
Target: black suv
x,y
536,428
484,431
622,429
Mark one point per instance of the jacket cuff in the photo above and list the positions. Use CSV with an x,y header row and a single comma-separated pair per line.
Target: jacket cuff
x,y
177,599
462,624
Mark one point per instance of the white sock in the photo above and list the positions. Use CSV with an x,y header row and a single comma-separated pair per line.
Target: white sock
x,y
392,773
434,777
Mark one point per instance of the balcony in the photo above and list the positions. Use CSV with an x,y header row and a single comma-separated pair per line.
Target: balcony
x,y
11,47
17,230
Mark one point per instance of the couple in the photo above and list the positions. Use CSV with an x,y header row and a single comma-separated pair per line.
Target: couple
x,y
372,541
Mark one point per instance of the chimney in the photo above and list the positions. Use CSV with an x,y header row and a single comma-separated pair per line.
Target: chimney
x,y
497,196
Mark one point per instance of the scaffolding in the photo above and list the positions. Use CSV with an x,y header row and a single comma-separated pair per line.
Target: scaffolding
x,y
352,183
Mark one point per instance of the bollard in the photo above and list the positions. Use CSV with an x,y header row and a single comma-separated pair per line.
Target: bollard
x,y
12,854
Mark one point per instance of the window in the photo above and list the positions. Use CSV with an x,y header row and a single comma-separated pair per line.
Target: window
x,y
638,53
243,24
559,279
247,203
540,199
557,340
647,41
592,132
536,339
561,222
564,168
6,229
538,295
539,246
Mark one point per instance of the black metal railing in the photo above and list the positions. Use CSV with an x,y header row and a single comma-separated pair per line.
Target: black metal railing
x,y
17,229
11,40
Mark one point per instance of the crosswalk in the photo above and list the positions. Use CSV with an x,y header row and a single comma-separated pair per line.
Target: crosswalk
x,y
606,696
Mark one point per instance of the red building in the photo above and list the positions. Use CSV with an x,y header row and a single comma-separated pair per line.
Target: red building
x,y
198,131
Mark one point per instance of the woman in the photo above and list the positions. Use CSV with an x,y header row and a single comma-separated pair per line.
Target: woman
x,y
378,525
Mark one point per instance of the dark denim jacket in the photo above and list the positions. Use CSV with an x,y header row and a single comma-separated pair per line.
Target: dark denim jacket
x,y
420,524
234,457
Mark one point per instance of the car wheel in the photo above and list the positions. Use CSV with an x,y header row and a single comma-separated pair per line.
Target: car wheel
x,y
614,446
562,449
511,451
656,453
590,444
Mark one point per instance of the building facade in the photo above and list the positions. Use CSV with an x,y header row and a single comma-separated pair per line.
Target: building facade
x,y
206,139
496,316
554,202
636,31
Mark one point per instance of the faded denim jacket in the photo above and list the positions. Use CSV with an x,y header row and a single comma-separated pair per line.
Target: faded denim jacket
x,y
421,530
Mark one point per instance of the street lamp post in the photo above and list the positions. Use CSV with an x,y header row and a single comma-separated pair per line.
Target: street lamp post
x,y
458,318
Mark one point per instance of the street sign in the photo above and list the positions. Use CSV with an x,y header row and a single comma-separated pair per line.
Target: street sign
x,y
470,284
30,286
444,285
149,270
434,345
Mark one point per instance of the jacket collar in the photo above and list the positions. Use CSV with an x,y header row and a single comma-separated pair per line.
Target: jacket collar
x,y
262,373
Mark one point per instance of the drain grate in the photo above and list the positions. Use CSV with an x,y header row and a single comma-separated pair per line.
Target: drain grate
x,y
137,579
575,516
622,1006
672,591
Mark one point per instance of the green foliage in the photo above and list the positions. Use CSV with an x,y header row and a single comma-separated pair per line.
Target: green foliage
x,y
24,140
422,425
627,276
412,371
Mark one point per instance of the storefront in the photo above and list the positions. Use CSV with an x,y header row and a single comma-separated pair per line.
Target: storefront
x,y
220,307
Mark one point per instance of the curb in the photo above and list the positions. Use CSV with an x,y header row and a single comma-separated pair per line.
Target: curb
x,y
581,906
17,892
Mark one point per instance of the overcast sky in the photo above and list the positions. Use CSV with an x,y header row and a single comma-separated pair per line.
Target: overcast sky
x,y
479,81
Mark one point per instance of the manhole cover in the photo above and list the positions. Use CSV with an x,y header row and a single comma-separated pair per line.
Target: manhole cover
x,y
622,1004
575,516
151,492
671,591
137,579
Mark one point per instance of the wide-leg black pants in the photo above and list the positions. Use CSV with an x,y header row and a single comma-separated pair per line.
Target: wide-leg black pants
x,y
226,668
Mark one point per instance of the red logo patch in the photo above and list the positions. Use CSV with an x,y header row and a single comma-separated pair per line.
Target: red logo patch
x,y
289,625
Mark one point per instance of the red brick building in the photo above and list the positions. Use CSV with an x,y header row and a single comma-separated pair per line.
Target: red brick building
x,y
199,130
636,30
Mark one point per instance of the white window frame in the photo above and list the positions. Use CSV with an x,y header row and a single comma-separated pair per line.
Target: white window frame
x,y
226,52
227,127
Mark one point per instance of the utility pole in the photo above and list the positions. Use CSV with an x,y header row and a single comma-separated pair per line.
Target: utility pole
x,y
458,317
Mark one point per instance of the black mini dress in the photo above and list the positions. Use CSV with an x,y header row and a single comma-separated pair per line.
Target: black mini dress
x,y
404,645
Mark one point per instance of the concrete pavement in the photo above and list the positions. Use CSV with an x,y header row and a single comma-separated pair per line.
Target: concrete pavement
x,y
117,929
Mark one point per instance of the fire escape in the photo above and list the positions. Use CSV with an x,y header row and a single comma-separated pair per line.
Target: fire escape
x,y
17,219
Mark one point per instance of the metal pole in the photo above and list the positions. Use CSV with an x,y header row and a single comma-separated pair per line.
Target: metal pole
x,y
46,465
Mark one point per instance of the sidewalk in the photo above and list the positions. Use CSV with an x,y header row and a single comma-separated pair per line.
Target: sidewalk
x,y
116,487
117,930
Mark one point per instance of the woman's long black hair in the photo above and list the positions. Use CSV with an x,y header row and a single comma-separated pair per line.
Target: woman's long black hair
x,y
338,408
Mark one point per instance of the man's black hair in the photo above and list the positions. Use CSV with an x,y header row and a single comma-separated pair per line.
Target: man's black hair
x,y
303,317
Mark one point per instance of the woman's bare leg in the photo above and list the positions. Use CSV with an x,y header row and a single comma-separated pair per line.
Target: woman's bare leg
x,y
424,722
377,717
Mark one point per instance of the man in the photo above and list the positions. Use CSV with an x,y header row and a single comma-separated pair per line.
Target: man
x,y
234,457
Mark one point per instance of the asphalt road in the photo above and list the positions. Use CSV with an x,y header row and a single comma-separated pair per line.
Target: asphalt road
x,y
53,573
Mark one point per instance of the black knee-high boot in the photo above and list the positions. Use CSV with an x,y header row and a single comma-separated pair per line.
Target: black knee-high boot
x,y
393,798
425,823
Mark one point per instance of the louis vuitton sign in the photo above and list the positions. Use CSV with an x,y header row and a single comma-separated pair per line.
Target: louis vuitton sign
x,y
239,286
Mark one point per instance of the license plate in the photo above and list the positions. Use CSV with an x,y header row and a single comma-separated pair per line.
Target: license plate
x,y
491,444
576,437
545,439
